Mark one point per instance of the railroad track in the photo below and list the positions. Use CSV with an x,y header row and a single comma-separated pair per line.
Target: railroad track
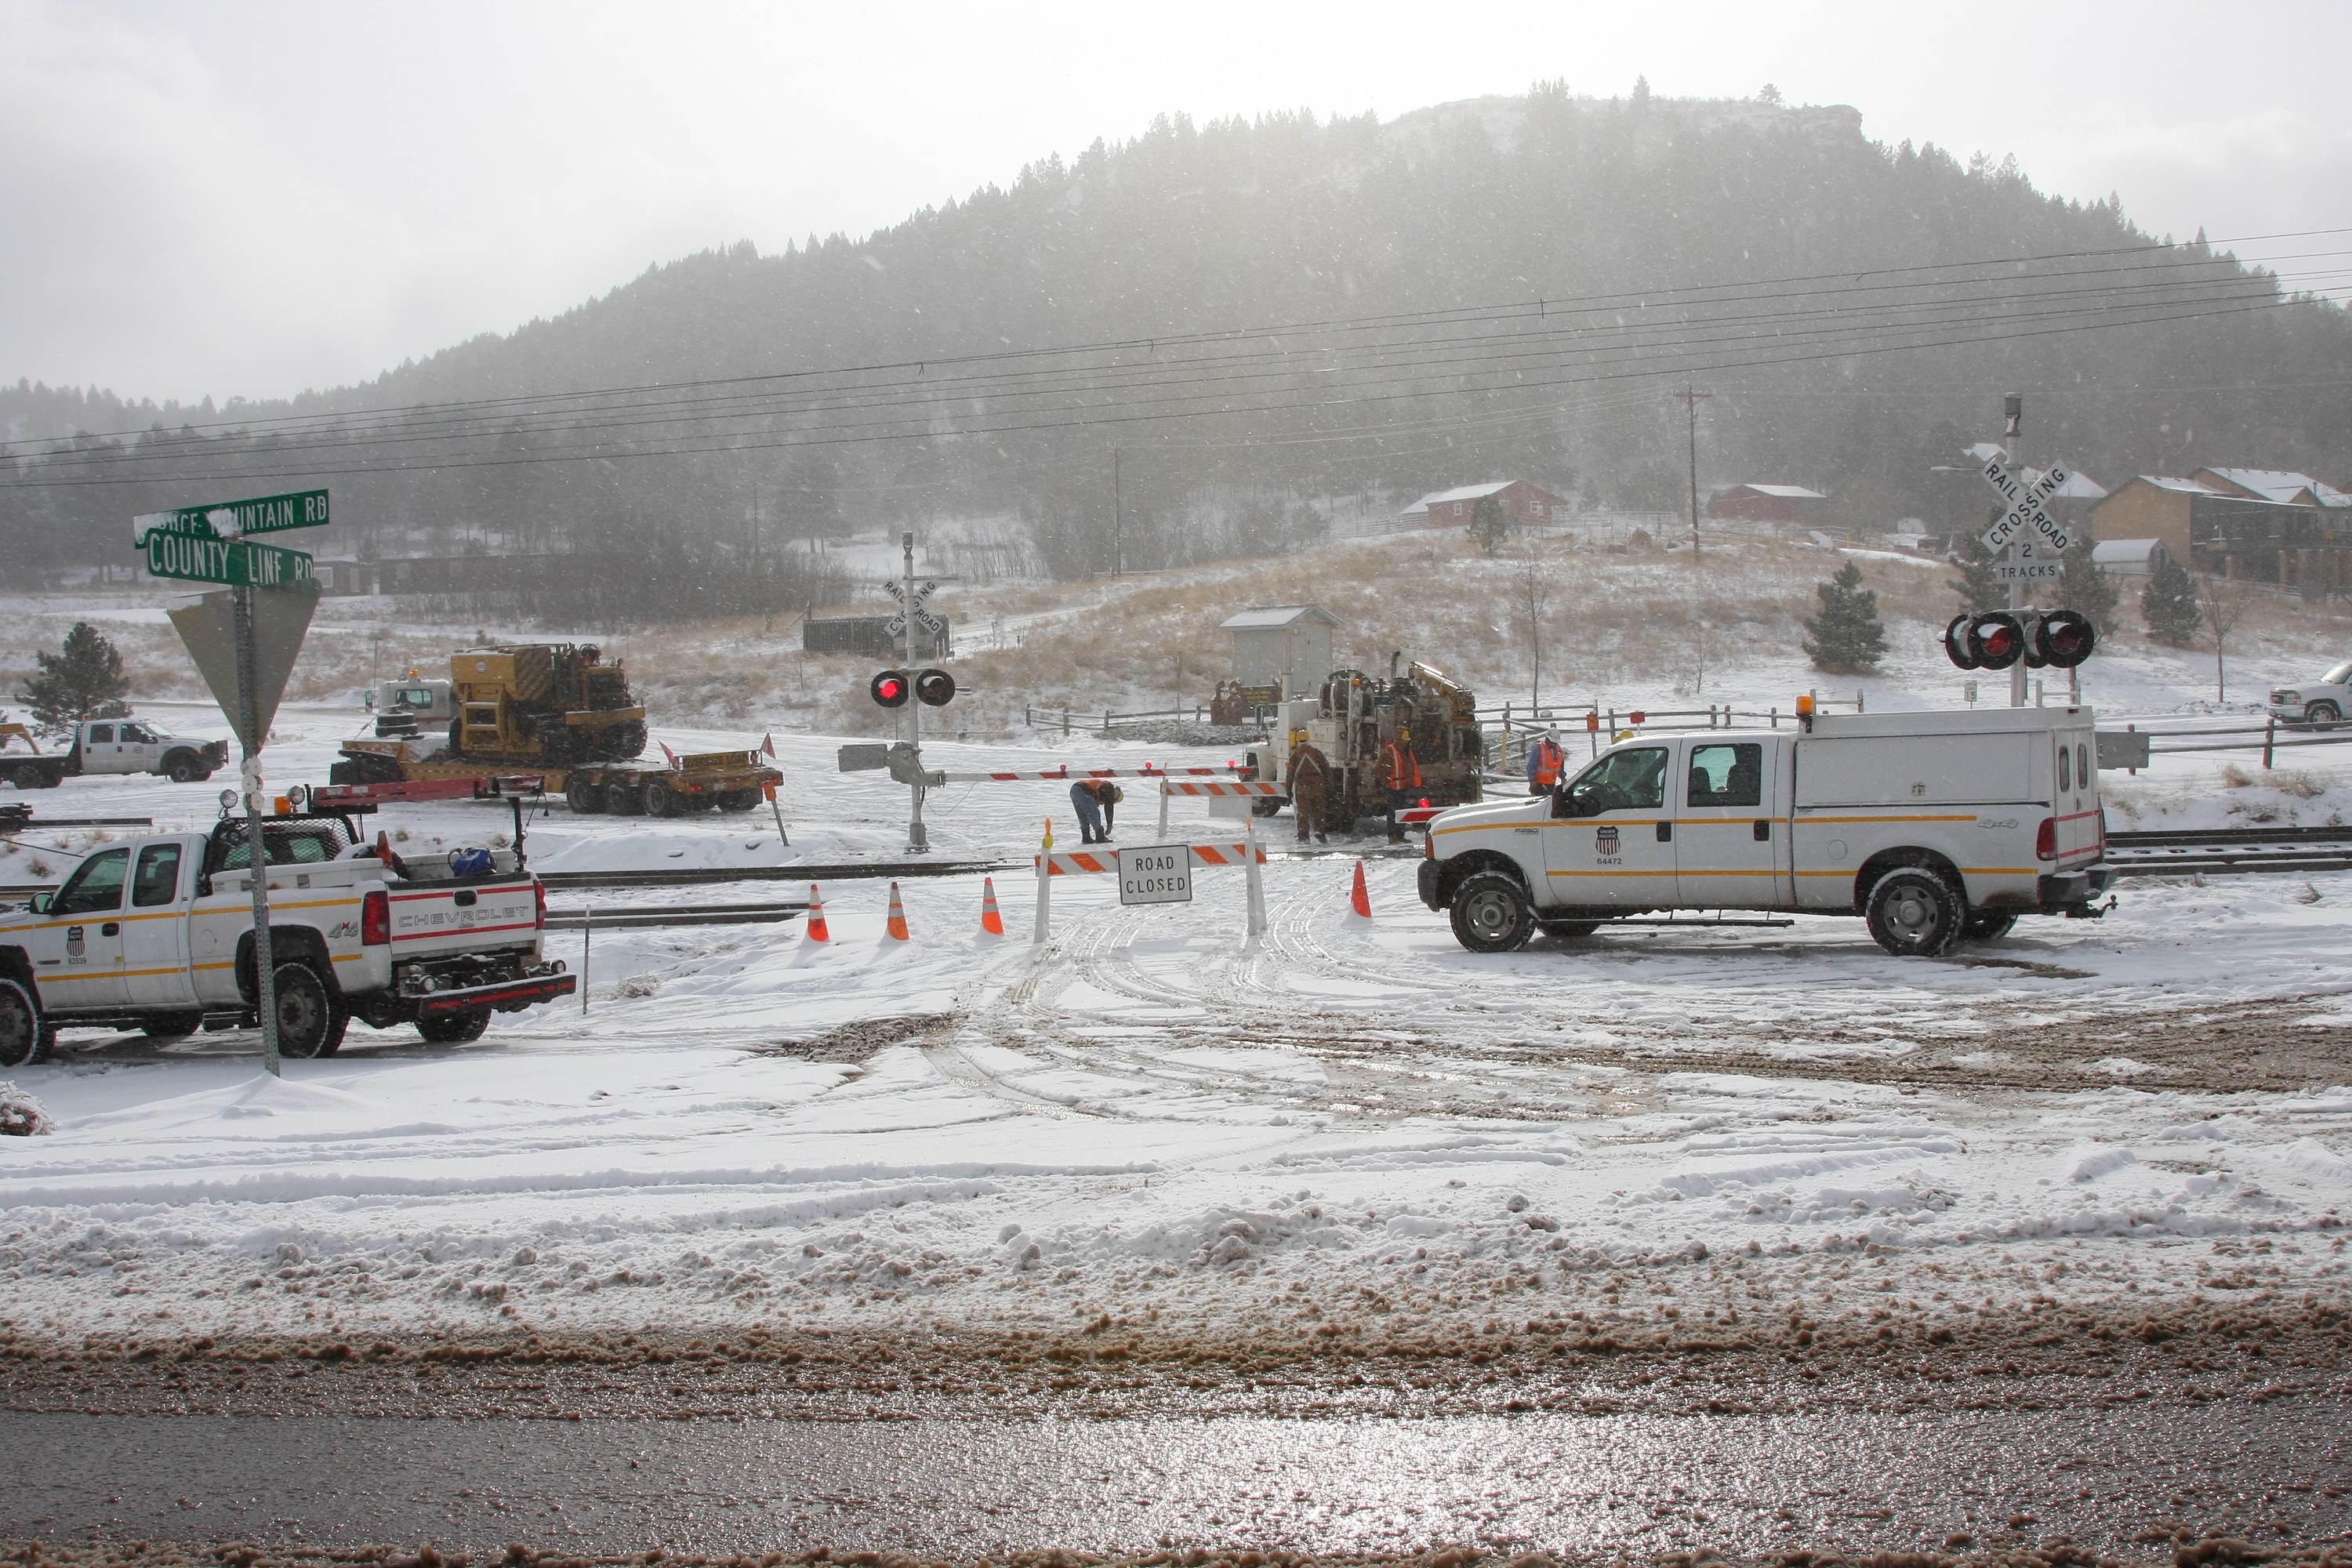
x,y
2230,851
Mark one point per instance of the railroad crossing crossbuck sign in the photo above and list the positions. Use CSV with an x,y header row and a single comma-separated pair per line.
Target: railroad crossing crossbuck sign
x,y
923,617
2026,522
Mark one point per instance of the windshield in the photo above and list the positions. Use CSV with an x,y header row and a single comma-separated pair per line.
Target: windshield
x,y
2339,676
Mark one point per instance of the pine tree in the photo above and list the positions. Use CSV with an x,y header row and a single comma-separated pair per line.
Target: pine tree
x,y
1489,525
1978,589
2086,589
2169,605
83,679
1847,637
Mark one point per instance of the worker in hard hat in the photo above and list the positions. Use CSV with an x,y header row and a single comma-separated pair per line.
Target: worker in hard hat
x,y
1402,771
1546,763
1086,798
1310,787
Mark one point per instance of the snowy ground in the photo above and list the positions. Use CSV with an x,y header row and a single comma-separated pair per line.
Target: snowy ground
x,y
1156,1117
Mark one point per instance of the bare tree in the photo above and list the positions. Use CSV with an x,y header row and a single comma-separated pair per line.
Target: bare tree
x,y
1532,591
2225,605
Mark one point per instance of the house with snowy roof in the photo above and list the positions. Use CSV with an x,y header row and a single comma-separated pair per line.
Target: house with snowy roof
x,y
2233,528
1766,503
2279,485
1523,504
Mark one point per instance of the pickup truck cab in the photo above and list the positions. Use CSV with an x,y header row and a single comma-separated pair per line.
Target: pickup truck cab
x,y
1932,826
2321,700
107,746
156,934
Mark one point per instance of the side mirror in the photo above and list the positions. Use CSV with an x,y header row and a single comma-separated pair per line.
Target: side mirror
x,y
40,904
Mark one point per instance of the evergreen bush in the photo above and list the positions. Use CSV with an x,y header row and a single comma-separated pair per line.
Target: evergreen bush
x,y
1847,637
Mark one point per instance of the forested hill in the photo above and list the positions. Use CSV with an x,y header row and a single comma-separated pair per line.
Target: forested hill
x,y
1508,285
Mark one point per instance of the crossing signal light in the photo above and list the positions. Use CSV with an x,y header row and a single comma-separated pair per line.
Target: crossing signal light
x,y
934,687
2058,639
890,688
2065,638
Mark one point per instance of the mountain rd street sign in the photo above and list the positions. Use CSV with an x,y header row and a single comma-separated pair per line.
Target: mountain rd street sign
x,y
237,519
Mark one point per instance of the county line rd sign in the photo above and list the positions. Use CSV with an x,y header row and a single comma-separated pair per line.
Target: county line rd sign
x,y
213,544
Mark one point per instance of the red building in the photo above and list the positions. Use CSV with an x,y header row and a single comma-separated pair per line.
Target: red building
x,y
1522,502
1766,503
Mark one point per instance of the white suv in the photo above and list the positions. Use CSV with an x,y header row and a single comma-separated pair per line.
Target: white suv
x,y
2322,701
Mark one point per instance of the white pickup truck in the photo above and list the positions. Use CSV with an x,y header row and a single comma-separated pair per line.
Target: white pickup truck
x,y
156,934
107,746
2322,701
1931,825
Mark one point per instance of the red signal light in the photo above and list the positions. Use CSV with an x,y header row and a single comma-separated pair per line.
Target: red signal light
x,y
891,689
2065,638
1996,640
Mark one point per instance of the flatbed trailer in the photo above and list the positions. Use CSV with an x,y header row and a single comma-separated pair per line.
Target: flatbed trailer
x,y
725,781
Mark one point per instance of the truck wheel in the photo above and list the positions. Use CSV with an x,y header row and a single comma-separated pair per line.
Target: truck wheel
x,y
455,1028
181,768
26,777
2321,715
585,798
1914,914
310,1020
1566,932
1491,913
23,1040
172,1025
1988,925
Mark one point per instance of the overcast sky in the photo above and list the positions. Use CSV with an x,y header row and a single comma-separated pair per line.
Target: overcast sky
x,y
232,198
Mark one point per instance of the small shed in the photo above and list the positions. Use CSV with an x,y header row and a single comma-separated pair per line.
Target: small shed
x,y
2128,557
1287,646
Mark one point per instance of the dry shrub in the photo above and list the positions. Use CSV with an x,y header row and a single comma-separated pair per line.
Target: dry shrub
x,y
2300,785
2235,776
22,1116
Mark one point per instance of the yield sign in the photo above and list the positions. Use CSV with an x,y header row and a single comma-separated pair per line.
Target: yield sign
x,y
280,617
2026,514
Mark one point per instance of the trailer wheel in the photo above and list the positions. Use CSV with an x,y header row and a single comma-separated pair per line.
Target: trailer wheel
x,y
585,797
662,801
1491,913
310,1020
23,1040
455,1028
1914,914
625,799
1988,925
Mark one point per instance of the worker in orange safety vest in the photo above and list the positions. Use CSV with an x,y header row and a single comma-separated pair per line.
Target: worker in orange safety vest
x,y
1403,778
1546,763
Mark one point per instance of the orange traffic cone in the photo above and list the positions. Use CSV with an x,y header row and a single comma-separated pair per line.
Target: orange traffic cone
x,y
990,921
1359,902
897,916
814,929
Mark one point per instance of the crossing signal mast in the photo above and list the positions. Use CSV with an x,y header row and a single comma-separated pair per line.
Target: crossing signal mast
x,y
929,688
2027,543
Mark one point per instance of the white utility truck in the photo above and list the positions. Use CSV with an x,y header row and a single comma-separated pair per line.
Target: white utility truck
x,y
156,934
107,746
1932,826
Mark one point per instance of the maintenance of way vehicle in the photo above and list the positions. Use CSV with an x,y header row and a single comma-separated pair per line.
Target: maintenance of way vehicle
x,y
121,745
156,934
1932,826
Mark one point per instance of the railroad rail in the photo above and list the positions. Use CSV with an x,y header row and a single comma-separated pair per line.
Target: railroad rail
x,y
2229,851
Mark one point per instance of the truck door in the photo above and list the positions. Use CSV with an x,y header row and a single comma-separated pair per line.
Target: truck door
x,y
100,752
135,749
87,912
155,928
1729,852
1612,839
2075,802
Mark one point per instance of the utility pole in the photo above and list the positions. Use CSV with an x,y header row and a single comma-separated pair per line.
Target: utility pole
x,y
1690,401
1117,527
2012,435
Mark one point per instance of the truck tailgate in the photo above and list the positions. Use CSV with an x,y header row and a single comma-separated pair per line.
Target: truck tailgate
x,y
429,920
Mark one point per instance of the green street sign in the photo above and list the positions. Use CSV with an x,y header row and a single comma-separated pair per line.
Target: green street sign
x,y
203,558
237,519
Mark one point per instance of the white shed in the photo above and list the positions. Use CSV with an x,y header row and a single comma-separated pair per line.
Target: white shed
x,y
2128,557
1284,644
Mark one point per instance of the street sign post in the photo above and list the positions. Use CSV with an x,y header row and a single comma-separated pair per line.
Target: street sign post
x,y
245,648
2033,539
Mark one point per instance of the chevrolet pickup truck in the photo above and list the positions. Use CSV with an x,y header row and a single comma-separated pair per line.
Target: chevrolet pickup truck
x,y
1932,826
156,934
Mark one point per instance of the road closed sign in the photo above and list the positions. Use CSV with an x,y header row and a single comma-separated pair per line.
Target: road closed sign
x,y
1156,874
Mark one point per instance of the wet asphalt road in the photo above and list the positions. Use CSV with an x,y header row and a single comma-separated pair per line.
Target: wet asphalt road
x,y
962,1488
